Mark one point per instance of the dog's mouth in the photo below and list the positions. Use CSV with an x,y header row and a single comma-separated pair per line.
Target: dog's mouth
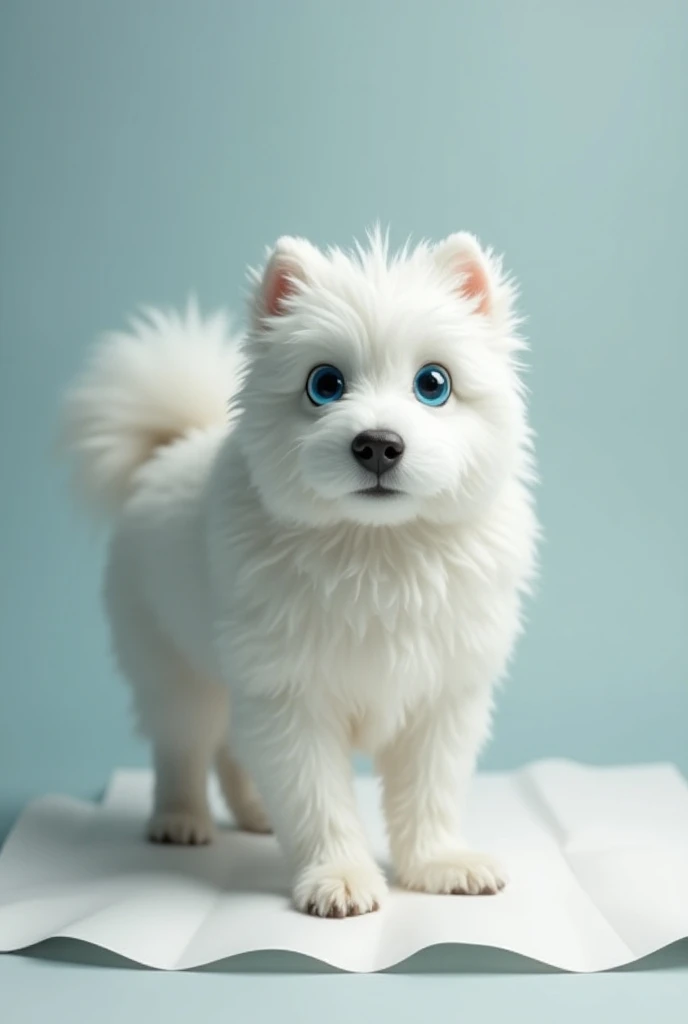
x,y
379,491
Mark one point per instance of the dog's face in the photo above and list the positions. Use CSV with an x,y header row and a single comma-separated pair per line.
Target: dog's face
x,y
381,390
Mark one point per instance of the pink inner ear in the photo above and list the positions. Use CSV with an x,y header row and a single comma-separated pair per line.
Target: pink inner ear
x,y
474,284
279,285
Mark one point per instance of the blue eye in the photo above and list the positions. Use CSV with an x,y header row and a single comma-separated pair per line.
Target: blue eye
x,y
432,385
325,384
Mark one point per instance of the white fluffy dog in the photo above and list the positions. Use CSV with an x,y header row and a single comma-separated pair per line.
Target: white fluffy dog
x,y
326,527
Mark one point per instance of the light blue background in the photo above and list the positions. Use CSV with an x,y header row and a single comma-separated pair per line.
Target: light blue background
x,y
154,147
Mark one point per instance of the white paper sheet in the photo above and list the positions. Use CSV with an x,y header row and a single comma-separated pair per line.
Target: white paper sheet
x,y
598,861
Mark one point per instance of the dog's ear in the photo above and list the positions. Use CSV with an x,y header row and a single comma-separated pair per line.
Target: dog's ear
x,y
288,266
462,258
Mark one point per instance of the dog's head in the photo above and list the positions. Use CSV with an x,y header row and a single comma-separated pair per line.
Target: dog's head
x,y
381,389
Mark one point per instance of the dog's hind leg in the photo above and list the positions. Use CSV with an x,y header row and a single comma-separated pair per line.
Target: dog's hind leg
x,y
240,793
182,712
181,813
187,725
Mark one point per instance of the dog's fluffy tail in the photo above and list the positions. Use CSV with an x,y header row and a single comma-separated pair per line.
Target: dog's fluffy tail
x,y
172,374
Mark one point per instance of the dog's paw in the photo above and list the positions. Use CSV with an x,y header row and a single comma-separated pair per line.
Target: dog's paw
x,y
252,817
461,872
339,890
183,828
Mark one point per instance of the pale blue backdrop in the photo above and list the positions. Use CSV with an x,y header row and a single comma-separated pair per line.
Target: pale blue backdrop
x,y
150,148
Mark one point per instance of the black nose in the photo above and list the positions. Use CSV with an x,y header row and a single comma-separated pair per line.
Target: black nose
x,y
377,450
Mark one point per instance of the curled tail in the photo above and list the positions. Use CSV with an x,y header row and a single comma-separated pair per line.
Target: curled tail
x,y
172,374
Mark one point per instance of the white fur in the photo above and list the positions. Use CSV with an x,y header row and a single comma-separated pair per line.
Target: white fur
x,y
243,561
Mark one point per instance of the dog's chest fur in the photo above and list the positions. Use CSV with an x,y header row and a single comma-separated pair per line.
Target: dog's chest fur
x,y
378,621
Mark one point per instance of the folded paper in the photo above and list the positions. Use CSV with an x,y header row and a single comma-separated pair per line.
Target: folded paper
x,y
597,857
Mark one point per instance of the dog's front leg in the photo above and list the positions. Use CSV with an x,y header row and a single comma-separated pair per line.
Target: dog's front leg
x,y
425,771
299,757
